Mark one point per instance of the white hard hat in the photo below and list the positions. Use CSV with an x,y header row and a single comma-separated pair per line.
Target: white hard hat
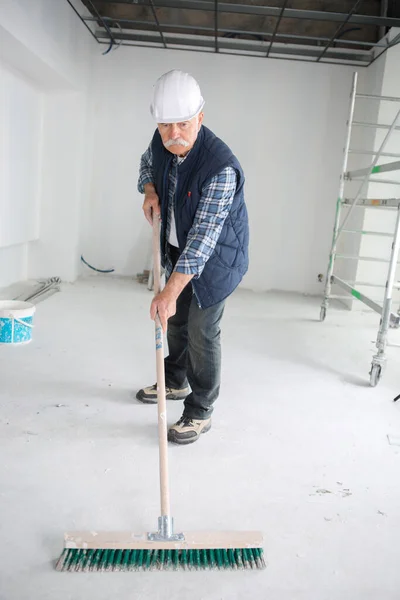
x,y
176,98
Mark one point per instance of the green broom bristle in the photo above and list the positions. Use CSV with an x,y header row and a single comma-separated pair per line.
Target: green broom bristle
x,y
132,560
118,561
147,560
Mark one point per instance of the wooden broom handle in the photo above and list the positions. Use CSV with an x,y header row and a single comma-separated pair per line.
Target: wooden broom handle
x,y
162,404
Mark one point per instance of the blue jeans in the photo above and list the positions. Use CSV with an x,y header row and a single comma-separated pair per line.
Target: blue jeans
x,y
194,342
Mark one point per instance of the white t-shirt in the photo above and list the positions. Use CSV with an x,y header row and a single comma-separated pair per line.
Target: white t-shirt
x,y
173,238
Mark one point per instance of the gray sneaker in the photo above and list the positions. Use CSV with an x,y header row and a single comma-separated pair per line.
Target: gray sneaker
x,y
148,395
187,430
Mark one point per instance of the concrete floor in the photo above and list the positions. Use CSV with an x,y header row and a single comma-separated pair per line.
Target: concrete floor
x,y
298,449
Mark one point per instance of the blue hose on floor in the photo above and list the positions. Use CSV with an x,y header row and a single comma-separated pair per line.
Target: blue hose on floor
x,y
94,268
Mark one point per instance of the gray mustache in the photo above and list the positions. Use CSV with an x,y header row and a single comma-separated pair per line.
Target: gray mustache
x,y
178,142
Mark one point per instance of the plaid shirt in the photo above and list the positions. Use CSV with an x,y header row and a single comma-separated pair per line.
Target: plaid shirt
x,y
213,208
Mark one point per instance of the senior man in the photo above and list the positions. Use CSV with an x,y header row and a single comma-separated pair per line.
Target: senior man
x,y
194,184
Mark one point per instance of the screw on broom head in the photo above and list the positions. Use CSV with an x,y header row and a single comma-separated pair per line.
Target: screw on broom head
x,y
168,559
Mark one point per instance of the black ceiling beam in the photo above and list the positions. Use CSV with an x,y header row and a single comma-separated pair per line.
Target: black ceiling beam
x,y
268,11
183,49
84,20
278,22
243,45
157,23
100,18
240,32
216,24
394,42
340,29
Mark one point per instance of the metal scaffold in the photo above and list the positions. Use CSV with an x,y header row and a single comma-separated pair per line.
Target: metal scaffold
x,y
344,209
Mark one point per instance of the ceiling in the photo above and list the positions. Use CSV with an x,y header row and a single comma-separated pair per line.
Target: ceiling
x,y
335,31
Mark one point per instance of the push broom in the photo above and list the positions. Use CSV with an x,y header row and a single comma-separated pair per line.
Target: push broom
x,y
163,549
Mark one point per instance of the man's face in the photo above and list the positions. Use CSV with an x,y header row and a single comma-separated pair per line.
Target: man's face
x,y
179,138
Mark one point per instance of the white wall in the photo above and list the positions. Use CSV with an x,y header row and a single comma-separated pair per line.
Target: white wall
x,y
45,40
284,120
20,126
47,49
20,134
57,249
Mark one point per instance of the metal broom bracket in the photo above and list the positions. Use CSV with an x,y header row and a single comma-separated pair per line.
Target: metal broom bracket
x,y
165,531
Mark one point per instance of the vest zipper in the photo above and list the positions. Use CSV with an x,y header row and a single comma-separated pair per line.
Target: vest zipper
x,y
164,206
165,190
173,208
174,200
197,298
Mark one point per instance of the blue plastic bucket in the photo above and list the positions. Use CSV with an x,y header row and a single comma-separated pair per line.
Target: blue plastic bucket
x,y
16,322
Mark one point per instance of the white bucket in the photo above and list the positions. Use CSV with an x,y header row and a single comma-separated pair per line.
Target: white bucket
x,y
16,321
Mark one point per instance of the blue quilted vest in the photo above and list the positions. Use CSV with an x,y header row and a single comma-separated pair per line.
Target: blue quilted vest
x,y
228,263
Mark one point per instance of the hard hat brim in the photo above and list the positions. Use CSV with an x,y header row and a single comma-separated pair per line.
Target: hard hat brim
x,y
180,119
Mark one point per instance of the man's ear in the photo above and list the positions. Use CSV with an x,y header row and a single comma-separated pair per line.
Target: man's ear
x,y
201,117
